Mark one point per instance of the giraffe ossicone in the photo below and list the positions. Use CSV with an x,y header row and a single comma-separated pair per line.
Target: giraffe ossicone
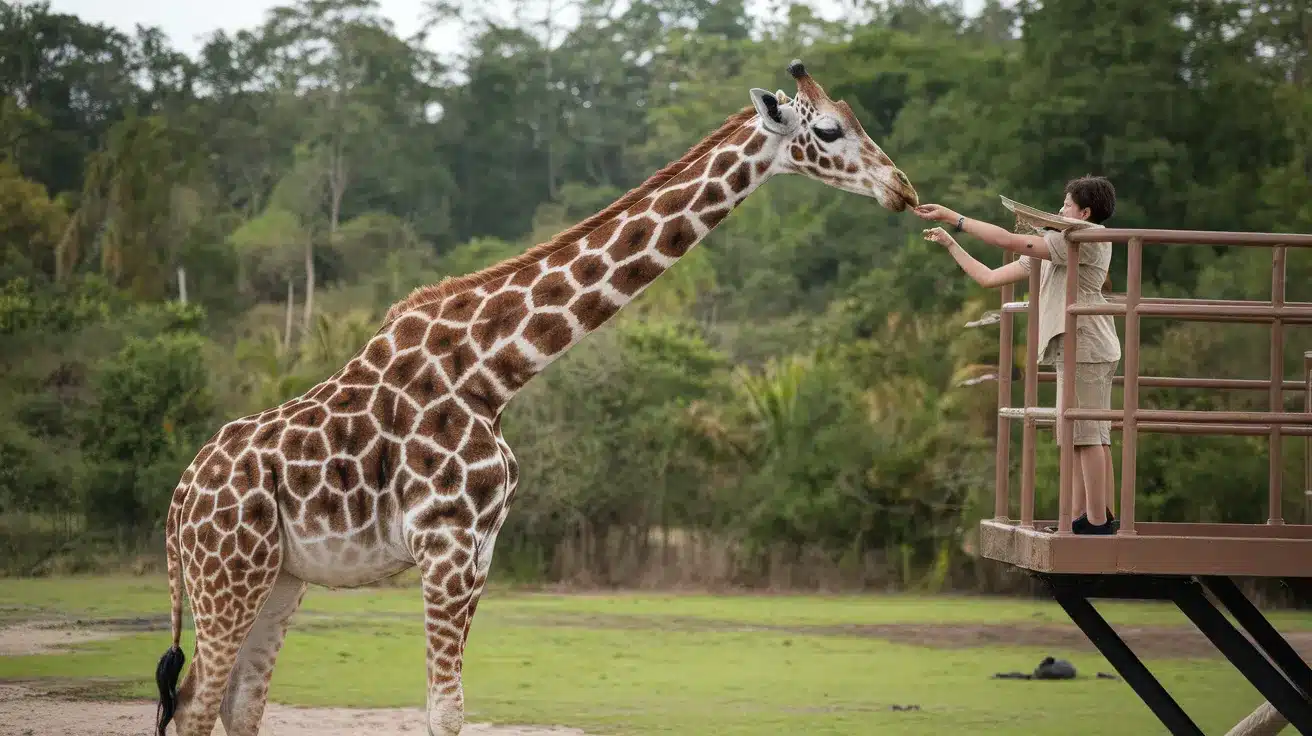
x,y
397,460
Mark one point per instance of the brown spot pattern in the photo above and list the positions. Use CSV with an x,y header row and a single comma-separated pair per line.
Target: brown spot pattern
x,y
741,177
636,274
675,200
549,332
588,270
632,240
592,309
722,163
552,290
676,237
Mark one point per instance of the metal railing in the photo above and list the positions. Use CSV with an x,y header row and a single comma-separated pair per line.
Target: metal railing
x,y
1131,419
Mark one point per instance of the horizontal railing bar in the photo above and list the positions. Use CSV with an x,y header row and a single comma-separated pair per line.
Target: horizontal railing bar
x,y
1228,302
1237,384
1046,417
1253,430
1195,417
1290,314
1020,412
1019,307
1189,237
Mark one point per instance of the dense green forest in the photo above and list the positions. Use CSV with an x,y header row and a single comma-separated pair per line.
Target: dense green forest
x,y
187,240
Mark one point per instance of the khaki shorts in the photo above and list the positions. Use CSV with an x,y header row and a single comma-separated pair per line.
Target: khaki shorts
x,y
1093,390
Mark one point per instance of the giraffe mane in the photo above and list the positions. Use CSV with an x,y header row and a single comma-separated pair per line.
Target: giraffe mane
x,y
455,284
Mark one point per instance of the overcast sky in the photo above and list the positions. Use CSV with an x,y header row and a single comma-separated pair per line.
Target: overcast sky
x,y
186,22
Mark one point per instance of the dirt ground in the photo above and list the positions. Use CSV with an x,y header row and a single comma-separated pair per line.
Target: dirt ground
x,y
1150,642
27,711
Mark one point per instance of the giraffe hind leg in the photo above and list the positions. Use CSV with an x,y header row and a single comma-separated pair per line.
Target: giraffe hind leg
x,y
248,685
231,558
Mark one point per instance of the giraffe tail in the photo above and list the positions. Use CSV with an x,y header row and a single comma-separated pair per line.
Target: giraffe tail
x,y
170,665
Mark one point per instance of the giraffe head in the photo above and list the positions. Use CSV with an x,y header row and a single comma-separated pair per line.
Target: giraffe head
x,y
821,139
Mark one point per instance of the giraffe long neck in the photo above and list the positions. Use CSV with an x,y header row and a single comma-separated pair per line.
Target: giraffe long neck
x,y
494,338
579,288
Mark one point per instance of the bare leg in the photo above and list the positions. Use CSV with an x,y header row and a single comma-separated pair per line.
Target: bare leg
x,y
1092,466
1110,471
248,686
1078,494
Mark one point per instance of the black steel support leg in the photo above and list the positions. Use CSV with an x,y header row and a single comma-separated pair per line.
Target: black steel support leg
x,y
1244,656
1105,638
1266,635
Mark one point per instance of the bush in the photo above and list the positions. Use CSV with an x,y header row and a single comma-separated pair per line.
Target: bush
x,y
153,409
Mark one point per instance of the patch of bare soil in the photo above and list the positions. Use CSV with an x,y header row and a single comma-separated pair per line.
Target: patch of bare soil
x,y
1147,641
26,710
45,638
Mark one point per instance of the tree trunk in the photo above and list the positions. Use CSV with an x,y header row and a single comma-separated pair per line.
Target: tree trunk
x,y
309,284
287,330
182,284
338,185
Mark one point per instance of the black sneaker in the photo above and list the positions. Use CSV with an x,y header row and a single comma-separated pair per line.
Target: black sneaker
x,y
1081,525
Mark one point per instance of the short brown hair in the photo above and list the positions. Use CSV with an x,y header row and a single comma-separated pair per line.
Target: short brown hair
x,y
1096,194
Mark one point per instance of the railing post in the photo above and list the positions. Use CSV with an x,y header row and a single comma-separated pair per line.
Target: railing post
x,y
1029,432
1307,441
1275,454
1002,463
1130,400
1067,399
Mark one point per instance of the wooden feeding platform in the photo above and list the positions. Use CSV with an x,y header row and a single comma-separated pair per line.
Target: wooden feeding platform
x,y
1175,561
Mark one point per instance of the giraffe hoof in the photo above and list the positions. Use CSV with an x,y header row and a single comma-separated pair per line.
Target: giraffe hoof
x,y
446,719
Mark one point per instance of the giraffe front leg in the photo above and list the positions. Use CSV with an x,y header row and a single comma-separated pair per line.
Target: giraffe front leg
x,y
248,685
448,583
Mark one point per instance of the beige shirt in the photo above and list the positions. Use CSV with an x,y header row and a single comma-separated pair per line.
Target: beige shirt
x,y
1095,334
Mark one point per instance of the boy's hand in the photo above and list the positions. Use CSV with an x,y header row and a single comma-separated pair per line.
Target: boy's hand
x,y
935,212
940,236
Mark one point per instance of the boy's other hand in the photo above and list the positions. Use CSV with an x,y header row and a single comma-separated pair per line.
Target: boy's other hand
x,y
935,212
939,235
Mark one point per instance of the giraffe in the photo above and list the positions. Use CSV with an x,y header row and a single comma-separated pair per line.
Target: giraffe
x,y
398,460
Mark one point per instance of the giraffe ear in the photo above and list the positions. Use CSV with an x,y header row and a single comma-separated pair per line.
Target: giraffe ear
x,y
783,98
774,117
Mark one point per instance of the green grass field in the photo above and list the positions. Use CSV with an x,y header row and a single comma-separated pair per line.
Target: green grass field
x,y
694,664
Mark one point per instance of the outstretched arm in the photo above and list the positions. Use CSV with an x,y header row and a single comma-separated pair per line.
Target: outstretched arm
x,y
1026,245
982,274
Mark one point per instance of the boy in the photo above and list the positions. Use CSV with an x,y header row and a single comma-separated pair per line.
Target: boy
x,y
1093,199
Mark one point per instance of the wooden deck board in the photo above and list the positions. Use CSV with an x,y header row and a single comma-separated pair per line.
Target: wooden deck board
x,y
1255,550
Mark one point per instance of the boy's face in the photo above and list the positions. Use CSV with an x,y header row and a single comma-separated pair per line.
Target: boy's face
x,y
1071,210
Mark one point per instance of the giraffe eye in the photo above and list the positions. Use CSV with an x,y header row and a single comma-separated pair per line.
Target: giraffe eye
x,y
828,134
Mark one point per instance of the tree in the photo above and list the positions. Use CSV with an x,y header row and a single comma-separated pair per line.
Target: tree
x,y
31,225
134,206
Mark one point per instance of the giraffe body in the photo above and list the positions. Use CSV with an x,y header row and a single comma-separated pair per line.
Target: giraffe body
x,y
398,459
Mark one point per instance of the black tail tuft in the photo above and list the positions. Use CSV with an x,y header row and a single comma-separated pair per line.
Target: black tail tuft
x,y
166,677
